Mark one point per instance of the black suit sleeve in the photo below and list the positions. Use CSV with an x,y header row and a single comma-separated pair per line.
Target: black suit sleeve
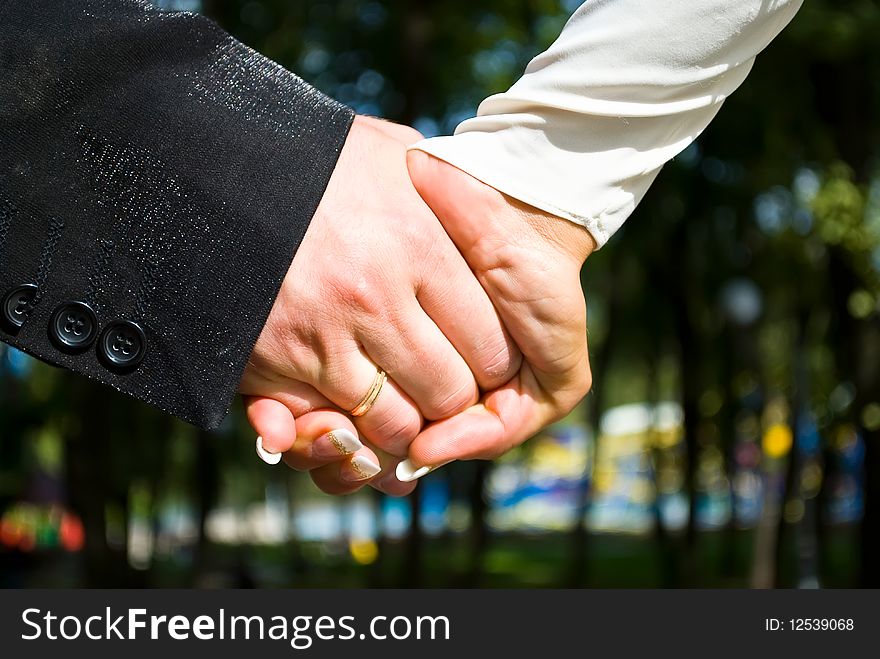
x,y
156,178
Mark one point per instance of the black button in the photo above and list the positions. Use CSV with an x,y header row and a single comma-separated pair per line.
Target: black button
x,y
73,327
122,346
17,305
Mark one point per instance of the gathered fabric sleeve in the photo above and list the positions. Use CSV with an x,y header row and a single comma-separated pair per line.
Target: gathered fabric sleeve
x,y
627,86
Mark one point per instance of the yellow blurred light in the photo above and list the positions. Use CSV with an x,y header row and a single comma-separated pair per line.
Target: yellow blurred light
x,y
553,458
871,416
666,439
777,440
364,552
603,480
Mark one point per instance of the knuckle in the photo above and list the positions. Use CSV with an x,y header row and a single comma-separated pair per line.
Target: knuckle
x,y
359,291
453,402
395,432
497,361
292,341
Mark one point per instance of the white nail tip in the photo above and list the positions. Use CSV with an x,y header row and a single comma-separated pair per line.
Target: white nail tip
x,y
265,456
345,441
407,473
364,466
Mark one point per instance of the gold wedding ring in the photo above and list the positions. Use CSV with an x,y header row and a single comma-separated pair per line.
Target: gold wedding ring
x,y
369,400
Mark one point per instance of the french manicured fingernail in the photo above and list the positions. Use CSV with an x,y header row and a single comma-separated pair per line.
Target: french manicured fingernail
x,y
265,456
335,443
407,472
361,469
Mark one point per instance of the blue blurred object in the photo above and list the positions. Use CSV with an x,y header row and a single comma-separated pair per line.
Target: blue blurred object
x,y
809,441
16,363
435,504
846,502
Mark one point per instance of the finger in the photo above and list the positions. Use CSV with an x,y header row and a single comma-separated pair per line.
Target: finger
x,y
423,362
325,436
273,422
298,397
476,433
451,295
346,476
504,418
392,422
273,416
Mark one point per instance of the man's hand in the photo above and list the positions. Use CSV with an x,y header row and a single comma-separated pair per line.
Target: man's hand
x,y
529,263
376,283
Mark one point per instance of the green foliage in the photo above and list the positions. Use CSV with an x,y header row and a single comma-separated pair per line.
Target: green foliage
x,y
839,209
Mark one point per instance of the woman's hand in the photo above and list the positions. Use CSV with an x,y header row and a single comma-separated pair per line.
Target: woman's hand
x,y
529,263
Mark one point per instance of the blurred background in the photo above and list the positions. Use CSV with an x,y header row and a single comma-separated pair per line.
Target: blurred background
x,y
732,438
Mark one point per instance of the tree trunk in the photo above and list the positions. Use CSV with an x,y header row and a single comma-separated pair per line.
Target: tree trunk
x,y
479,535
89,454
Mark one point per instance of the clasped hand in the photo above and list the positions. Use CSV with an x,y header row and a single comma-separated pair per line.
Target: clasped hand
x,y
468,301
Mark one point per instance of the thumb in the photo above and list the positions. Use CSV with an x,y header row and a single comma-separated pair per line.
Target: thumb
x,y
463,214
503,419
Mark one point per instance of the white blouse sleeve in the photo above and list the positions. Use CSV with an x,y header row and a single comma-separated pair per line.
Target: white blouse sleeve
x,y
626,86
